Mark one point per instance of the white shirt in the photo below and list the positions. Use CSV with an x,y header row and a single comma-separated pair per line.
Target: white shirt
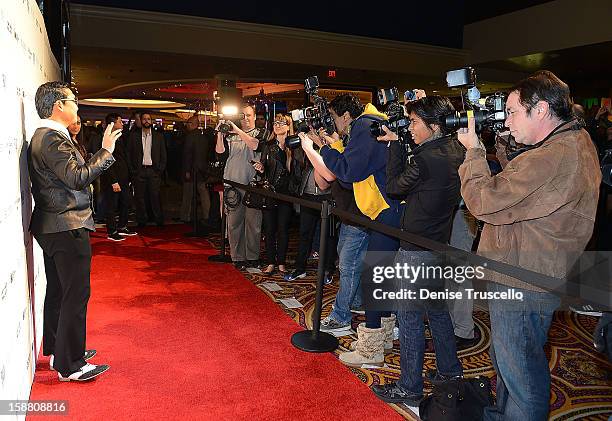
x,y
146,147
52,124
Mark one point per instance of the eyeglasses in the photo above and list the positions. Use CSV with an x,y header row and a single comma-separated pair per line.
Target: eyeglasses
x,y
75,100
280,123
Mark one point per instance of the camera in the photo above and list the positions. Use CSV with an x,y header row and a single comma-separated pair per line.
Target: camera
x,y
488,112
224,119
225,127
410,95
397,122
314,117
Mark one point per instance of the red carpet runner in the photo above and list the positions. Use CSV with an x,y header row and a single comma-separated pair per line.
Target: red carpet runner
x,y
191,340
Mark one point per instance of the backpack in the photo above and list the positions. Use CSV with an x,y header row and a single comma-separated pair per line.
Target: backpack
x,y
459,399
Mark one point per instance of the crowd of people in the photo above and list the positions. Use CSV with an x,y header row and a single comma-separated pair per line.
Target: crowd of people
x,y
536,202
536,205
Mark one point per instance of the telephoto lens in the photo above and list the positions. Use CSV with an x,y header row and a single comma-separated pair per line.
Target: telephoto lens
x,y
292,142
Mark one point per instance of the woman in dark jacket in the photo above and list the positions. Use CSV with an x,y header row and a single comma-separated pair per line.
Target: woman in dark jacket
x,y
275,165
429,183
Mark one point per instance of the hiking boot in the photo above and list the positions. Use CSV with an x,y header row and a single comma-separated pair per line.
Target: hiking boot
x,y
369,348
388,331
388,323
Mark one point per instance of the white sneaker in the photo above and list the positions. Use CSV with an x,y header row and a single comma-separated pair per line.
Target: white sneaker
x,y
87,372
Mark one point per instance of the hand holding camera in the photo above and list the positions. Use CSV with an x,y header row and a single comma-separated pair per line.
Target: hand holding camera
x,y
467,136
258,166
226,126
389,136
306,141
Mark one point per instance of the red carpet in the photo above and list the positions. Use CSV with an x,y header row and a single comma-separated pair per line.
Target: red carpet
x,y
191,340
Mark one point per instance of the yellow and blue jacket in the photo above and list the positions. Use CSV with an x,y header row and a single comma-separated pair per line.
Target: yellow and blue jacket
x,y
362,163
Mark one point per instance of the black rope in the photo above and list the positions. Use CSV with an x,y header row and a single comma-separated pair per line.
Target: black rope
x,y
558,286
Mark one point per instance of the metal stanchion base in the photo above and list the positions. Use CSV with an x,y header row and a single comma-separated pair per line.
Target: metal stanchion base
x,y
219,258
306,341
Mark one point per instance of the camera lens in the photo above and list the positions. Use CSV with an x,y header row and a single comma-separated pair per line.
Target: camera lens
x,y
224,128
292,142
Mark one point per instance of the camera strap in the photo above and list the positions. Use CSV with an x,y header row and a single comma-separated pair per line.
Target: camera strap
x,y
576,126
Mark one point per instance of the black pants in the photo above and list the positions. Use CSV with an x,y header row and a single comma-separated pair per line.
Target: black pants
x,y
276,224
309,218
147,182
67,265
113,201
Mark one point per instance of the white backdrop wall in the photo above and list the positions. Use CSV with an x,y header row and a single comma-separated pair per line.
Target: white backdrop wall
x,y
26,62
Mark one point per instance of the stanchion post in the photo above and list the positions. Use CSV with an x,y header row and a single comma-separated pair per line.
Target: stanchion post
x,y
222,257
223,234
314,340
194,199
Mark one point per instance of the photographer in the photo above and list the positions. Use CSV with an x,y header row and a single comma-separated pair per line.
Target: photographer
x,y
244,224
539,214
429,183
352,241
314,187
275,165
362,166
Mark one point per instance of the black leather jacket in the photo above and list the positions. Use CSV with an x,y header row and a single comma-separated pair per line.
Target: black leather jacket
x,y
430,184
60,180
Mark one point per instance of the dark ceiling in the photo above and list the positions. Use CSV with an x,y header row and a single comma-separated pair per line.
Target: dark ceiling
x,y
410,21
475,11
427,22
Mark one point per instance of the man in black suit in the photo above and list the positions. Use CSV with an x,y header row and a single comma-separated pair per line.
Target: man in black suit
x,y
61,222
147,160
195,167
115,185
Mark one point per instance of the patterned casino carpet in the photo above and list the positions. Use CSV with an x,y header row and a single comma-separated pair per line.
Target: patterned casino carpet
x,y
581,377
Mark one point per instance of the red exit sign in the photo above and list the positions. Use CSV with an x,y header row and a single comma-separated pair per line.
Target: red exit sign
x,y
331,73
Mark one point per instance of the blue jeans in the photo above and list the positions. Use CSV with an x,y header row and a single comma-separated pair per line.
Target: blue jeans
x,y
412,331
519,330
352,246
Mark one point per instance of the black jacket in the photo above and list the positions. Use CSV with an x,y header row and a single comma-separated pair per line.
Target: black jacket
x,y
135,154
429,182
60,181
119,172
274,160
196,151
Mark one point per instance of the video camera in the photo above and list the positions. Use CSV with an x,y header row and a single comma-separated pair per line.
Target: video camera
x,y
225,126
488,112
397,122
314,117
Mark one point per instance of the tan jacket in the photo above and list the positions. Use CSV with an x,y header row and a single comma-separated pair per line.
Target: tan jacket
x,y
539,211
